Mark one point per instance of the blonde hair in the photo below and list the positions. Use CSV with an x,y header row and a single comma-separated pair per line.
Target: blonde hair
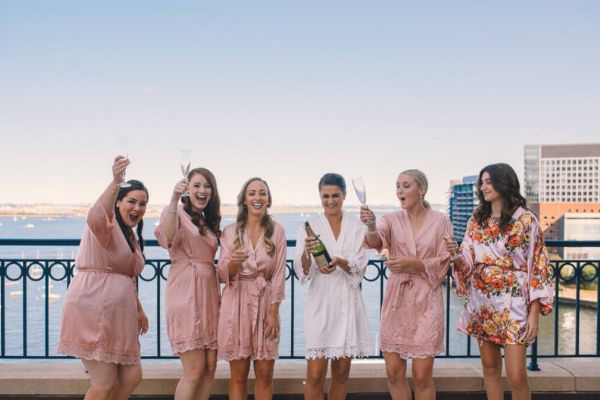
x,y
422,182
266,223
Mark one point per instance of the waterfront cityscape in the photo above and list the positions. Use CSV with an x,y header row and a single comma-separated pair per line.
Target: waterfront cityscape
x,y
289,91
579,223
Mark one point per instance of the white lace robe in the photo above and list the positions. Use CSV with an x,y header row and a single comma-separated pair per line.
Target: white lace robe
x,y
335,319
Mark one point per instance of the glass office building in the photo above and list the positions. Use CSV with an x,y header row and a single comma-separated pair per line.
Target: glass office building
x,y
461,203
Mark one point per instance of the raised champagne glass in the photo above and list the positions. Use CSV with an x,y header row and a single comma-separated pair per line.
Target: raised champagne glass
x,y
185,164
123,150
245,270
359,189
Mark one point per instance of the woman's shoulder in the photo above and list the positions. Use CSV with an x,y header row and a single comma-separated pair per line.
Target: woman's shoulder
x,y
278,228
438,215
229,229
392,216
525,217
472,223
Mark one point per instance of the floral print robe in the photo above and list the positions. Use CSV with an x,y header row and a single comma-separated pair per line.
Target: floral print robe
x,y
503,273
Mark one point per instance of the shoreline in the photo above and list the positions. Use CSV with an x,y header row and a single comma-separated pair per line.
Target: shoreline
x,y
81,210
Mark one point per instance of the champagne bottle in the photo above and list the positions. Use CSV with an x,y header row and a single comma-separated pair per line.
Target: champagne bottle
x,y
320,254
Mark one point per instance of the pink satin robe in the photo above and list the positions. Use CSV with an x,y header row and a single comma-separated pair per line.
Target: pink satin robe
x,y
246,301
412,318
100,314
192,293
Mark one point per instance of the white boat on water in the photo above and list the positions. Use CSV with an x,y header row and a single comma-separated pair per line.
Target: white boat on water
x,y
29,226
16,293
51,296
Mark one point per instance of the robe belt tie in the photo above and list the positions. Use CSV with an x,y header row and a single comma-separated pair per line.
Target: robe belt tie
x,y
259,290
112,271
404,282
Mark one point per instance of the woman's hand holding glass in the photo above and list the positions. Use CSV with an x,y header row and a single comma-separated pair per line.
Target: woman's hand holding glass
x,y
118,169
367,217
451,245
456,259
397,264
180,188
238,256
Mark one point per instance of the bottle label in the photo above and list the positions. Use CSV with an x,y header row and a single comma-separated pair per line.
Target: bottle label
x,y
321,260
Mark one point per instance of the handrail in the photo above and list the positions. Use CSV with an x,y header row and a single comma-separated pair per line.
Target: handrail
x,y
290,243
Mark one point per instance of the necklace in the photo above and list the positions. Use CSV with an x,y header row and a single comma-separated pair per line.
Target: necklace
x,y
495,219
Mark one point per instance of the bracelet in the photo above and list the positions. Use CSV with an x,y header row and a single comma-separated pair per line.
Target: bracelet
x,y
172,211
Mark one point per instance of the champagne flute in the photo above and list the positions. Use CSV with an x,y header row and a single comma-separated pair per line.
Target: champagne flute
x,y
359,189
244,271
123,150
185,164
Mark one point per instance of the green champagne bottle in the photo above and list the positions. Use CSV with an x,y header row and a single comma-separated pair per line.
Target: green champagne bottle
x,y
320,254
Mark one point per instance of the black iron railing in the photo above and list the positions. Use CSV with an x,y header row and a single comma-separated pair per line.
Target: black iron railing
x,y
572,276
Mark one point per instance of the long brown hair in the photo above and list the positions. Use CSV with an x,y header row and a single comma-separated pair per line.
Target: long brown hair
x,y
505,181
210,217
266,222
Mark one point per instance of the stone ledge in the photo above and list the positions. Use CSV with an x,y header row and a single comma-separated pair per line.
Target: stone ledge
x,y
68,378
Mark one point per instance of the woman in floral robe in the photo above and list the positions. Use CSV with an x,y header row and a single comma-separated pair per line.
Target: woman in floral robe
x,y
503,268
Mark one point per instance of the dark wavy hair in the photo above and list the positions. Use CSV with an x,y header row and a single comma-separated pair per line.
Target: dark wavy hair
x,y
505,181
242,217
333,179
210,217
128,231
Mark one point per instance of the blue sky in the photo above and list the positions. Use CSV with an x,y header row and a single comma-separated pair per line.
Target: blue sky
x,y
287,91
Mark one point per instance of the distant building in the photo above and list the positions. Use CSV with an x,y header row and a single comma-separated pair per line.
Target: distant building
x,y
461,203
562,179
579,226
562,173
549,215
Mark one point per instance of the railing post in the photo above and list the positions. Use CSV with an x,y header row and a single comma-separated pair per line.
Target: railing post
x,y
293,307
2,312
533,364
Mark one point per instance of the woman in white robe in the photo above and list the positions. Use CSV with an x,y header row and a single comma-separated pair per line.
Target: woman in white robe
x,y
335,319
